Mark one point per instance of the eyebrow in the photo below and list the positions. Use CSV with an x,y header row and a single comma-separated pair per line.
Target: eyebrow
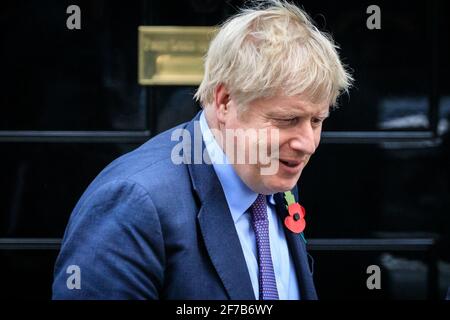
x,y
283,113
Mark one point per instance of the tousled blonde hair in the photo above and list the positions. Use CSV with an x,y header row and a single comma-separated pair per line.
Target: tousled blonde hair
x,y
271,48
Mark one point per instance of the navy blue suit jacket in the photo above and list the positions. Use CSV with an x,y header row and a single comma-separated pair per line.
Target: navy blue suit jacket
x,y
146,228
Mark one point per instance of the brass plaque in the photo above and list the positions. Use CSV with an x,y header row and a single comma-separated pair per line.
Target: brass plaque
x,y
172,55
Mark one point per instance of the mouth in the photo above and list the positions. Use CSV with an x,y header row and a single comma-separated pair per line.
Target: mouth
x,y
291,166
290,163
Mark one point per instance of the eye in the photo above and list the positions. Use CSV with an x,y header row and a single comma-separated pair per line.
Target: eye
x,y
317,121
287,121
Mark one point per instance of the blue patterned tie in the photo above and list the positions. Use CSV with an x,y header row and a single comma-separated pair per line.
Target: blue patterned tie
x,y
260,223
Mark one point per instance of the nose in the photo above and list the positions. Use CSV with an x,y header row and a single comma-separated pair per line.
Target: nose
x,y
303,139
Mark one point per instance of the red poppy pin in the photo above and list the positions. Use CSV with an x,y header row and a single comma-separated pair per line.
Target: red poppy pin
x,y
295,221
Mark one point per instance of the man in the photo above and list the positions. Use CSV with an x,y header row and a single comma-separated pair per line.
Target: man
x,y
162,223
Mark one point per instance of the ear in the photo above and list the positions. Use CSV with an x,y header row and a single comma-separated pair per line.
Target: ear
x,y
221,102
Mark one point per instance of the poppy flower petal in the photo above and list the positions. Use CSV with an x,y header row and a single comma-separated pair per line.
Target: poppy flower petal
x,y
294,226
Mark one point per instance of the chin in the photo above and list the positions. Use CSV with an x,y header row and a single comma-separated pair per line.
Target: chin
x,y
281,185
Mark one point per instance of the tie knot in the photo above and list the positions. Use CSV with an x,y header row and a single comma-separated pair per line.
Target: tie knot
x,y
259,208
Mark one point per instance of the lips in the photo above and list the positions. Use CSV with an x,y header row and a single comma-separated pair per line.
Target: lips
x,y
290,166
290,163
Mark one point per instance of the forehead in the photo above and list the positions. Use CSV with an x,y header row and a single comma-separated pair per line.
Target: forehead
x,y
292,105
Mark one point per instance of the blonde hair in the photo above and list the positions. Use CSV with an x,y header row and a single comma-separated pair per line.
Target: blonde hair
x,y
273,48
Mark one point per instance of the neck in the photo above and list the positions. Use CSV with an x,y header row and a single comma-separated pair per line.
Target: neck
x,y
213,125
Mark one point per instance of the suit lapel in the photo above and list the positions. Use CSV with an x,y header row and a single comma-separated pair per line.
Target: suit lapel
x,y
298,252
217,226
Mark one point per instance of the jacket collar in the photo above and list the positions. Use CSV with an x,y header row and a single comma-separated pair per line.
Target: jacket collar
x,y
297,248
216,224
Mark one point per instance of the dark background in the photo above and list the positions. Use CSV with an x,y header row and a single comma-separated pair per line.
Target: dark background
x,y
70,103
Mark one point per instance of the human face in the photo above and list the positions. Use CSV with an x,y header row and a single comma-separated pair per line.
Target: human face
x,y
299,125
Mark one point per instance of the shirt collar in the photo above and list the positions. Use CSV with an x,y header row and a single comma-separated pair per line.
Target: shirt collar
x,y
238,195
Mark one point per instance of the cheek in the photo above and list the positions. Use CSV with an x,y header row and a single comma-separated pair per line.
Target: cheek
x,y
232,124
284,143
